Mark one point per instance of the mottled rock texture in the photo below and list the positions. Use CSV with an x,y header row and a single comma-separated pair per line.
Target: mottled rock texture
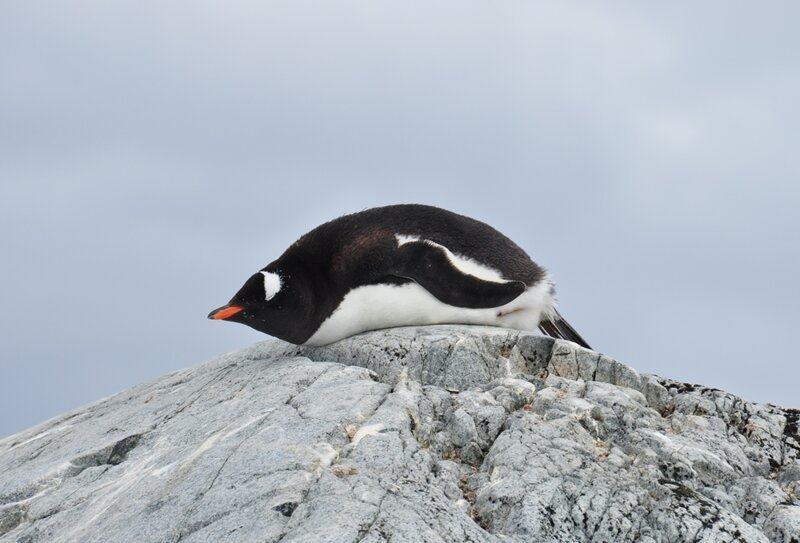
x,y
447,433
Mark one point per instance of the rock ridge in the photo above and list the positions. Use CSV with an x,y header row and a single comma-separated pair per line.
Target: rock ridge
x,y
441,433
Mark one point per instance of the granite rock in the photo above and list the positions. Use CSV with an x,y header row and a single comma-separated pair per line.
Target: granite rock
x,y
432,434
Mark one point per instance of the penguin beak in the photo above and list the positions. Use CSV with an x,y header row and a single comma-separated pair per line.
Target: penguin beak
x,y
225,312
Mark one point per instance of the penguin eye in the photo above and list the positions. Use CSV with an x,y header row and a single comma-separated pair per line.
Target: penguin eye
x,y
272,284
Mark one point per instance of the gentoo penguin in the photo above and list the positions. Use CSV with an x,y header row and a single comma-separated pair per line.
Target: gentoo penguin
x,y
399,265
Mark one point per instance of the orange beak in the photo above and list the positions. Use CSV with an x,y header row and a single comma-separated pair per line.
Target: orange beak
x,y
225,312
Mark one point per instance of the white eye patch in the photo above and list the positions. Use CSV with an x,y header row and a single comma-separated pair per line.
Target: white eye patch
x,y
272,284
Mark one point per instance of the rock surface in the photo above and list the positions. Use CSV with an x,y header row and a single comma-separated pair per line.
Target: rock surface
x,y
448,433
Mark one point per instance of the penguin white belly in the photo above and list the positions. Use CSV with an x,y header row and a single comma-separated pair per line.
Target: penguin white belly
x,y
386,306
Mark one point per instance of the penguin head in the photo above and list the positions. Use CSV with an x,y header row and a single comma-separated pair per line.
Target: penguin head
x,y
266,302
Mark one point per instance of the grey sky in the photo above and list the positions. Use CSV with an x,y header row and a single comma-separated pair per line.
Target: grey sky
x,y
153,155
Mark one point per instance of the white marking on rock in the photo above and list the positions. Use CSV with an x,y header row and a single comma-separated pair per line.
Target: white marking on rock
x,y
131,476
368,430
272,284
30,499
206,445
371,497
374,307
246,424
158,472
325,454
41,435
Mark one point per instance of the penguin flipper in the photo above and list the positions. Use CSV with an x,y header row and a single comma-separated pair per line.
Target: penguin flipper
x,y
430,266
559,328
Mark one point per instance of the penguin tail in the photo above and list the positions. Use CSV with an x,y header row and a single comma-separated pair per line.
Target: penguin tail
x,y
556,326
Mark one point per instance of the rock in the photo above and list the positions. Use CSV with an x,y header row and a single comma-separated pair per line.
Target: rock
x,y
448,433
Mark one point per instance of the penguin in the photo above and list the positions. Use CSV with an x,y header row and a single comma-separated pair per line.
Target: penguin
x,y
398,265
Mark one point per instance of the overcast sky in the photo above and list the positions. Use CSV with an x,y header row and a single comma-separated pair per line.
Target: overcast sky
x,y
155,154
